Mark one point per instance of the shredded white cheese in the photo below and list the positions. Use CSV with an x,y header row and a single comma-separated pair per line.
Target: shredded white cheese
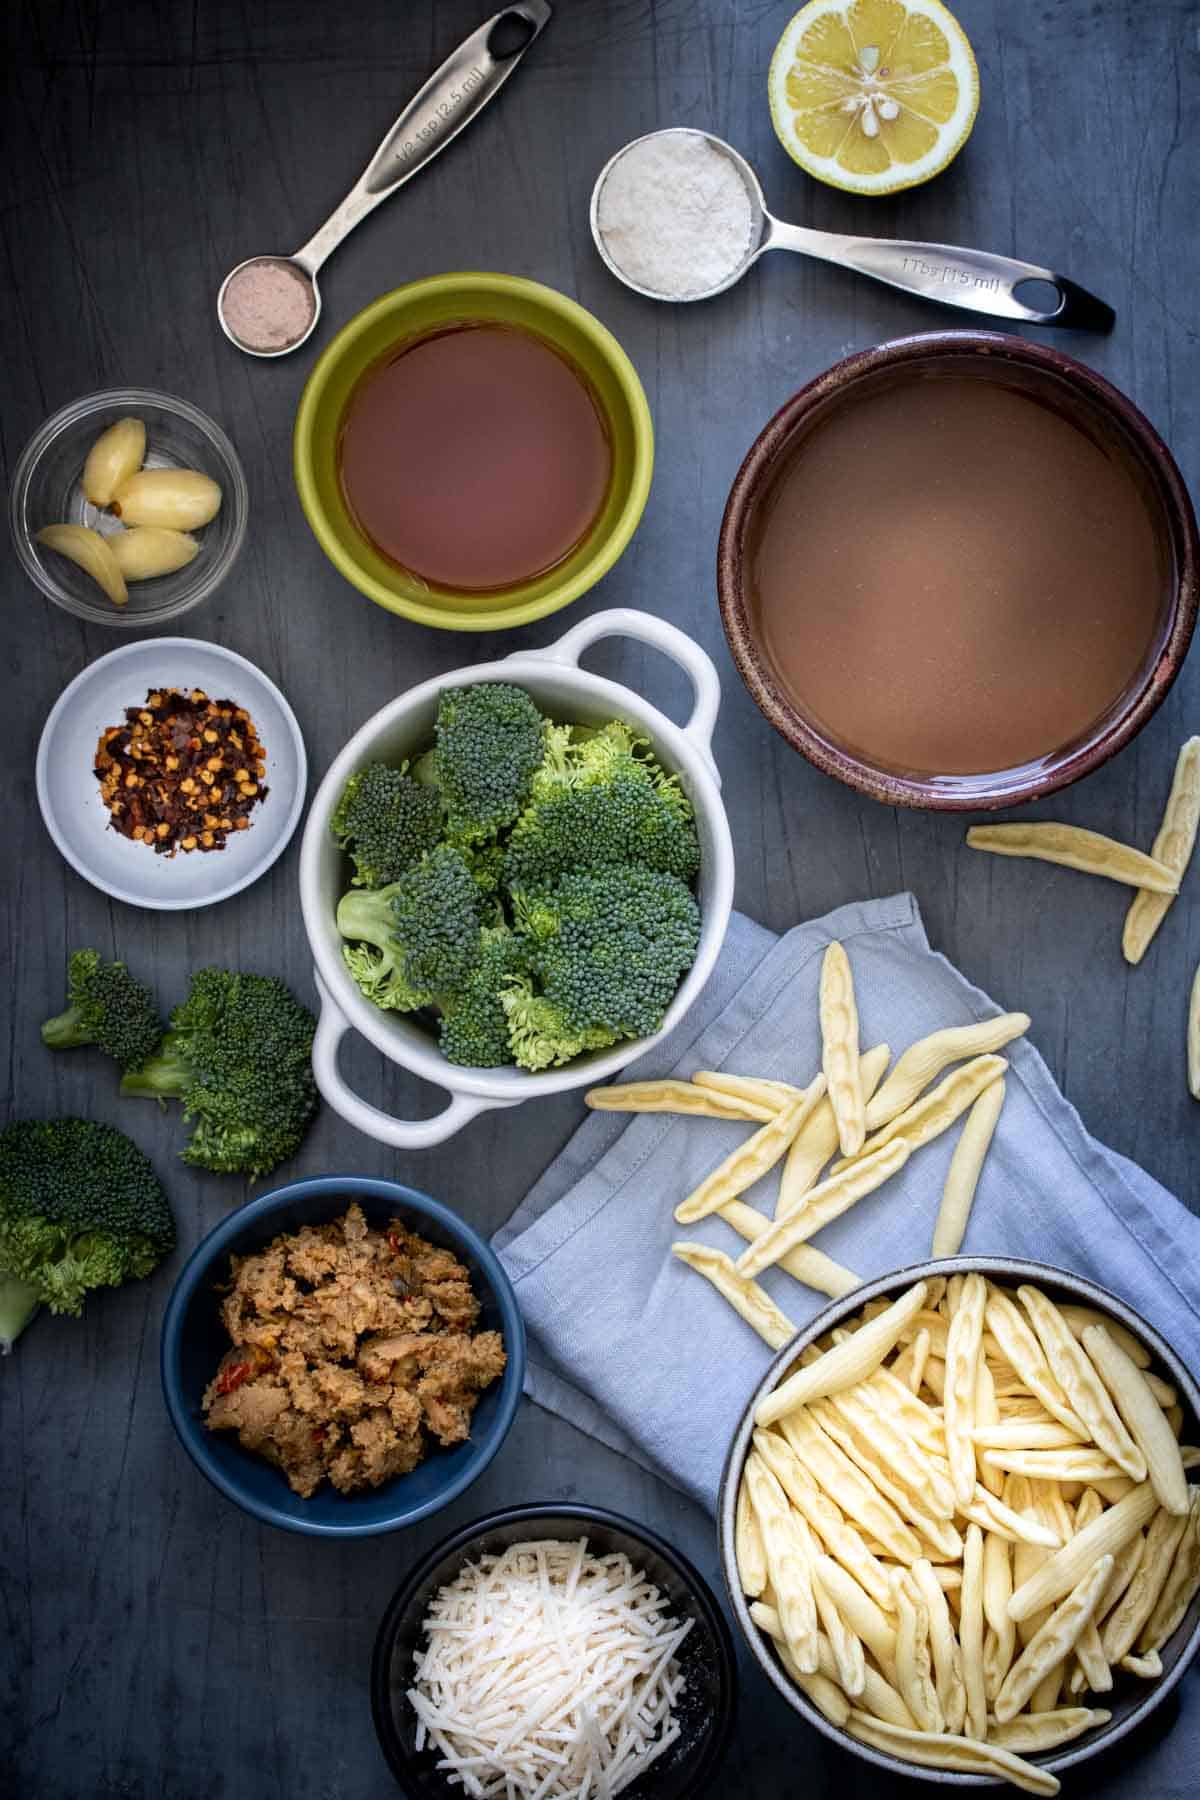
x,y
549,1674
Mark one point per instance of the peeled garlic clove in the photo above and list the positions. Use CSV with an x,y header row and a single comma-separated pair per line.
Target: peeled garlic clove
x,y
148,550
87,548
116,454
179,499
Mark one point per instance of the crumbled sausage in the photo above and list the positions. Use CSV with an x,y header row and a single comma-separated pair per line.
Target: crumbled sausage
x,y
351,1349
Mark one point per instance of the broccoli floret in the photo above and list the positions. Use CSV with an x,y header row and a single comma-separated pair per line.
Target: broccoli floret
x,y
437,911
430,923
238,1055
600,797
18,1303
80,1207
577,754
537,1031
377,972
557,761
424,769
108,1008
373,954
385,820
474,1025
486,863
597,754
609,946
624,820
424,930
490,742
628,813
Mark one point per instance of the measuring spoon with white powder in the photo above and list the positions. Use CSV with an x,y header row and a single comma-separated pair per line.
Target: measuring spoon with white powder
x,y
680,215
269,305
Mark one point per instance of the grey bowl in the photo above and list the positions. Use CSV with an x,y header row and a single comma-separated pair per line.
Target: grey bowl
x,y
69,794
1132,1700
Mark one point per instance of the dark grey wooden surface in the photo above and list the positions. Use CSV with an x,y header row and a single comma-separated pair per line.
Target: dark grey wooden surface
x,y
153,1641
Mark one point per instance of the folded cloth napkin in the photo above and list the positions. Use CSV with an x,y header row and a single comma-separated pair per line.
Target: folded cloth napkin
x,y
641,1352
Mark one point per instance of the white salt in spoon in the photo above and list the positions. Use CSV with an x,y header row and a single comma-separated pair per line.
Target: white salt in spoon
x,y
974,280
269,305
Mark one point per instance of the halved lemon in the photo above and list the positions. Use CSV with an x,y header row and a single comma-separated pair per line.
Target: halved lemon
x,y
873,95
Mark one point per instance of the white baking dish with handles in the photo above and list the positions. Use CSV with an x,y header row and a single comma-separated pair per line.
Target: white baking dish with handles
x,y
564,692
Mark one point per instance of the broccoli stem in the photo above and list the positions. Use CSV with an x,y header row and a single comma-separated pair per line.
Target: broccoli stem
x,y
18,1303
162,1077
65,1031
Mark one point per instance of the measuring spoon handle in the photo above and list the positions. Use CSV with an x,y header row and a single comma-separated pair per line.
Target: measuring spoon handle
x,y
470,77
975,280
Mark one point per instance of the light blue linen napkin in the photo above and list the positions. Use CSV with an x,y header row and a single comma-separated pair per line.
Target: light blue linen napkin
x,y
640,1351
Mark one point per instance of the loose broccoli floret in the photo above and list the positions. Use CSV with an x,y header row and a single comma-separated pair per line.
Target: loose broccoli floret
x,y
238,1055
537,1032
490,742
108,1008
80,1207
18,1303
610,945
373,954
474,1024
385,820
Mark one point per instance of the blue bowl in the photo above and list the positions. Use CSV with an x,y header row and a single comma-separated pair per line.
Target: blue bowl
x,y
194,1341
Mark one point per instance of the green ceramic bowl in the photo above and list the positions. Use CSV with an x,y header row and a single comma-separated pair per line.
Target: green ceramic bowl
x,y
425,306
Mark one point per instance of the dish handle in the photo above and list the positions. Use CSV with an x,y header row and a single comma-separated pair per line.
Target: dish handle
x,y
400,1134
626,621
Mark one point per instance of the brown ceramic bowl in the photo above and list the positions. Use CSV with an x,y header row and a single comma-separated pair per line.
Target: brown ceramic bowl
x,y
1080,394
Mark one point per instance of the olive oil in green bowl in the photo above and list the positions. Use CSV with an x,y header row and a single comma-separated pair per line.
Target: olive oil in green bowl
x,y
473,451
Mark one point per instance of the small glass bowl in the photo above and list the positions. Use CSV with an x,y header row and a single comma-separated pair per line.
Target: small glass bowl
x,y
46,490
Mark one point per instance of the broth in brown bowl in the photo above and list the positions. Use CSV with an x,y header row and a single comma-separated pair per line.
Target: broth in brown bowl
x,y
953,574
952,577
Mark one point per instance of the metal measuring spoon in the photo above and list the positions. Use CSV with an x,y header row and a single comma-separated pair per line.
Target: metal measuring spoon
x,y
470,77
975,280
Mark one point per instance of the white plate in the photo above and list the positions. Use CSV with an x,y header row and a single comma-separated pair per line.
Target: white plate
x,y
69,794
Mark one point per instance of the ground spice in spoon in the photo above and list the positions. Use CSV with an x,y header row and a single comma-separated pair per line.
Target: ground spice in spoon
x,y
182,772
267,305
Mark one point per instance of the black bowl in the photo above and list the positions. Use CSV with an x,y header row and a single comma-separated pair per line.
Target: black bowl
x,y
706,1655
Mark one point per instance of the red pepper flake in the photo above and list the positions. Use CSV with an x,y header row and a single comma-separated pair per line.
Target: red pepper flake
x,y
232,1376
182,772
